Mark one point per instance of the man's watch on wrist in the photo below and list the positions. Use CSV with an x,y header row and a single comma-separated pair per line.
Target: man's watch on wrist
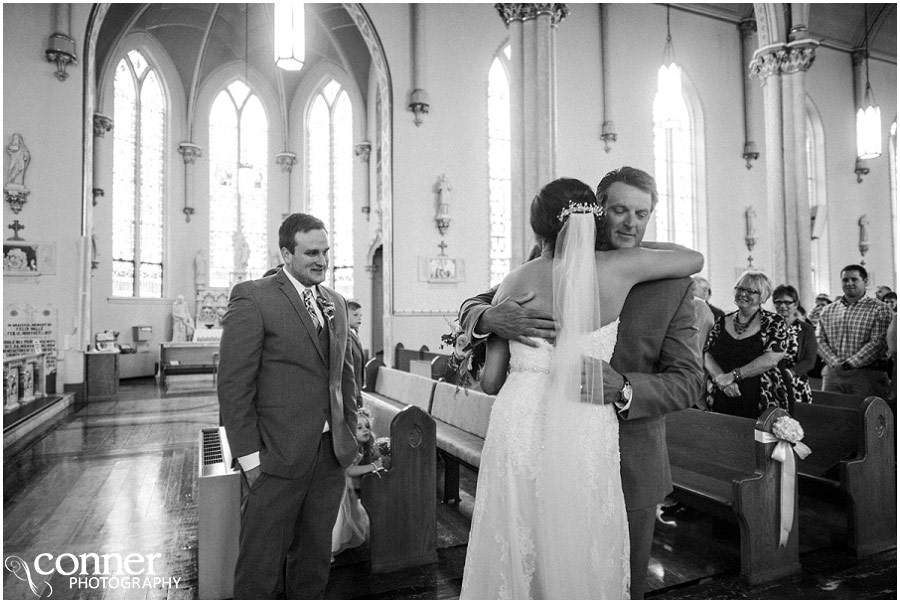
x,y
625,394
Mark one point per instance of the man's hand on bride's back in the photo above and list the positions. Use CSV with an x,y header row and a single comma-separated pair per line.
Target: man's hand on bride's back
x,y
511,321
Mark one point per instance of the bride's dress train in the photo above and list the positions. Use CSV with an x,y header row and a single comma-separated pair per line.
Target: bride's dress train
x,y
549,519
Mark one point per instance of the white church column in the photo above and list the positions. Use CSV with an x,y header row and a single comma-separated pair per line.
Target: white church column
x,y
189,152
101,167
782,66
532,32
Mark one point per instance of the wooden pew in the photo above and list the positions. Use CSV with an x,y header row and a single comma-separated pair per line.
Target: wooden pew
x,y
188,358
462,419
719,468
393,391
403,357
401,503
853,461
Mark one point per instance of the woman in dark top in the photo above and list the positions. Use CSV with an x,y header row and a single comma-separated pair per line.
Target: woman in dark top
x,y
742,353
802,346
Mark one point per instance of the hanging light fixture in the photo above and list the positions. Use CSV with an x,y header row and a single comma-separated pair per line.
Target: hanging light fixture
x,y
668,79
290,35
868,116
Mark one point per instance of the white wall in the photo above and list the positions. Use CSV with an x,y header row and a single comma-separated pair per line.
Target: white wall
x,y
461,40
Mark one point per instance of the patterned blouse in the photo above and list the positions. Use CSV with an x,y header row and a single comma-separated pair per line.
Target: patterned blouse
x,y
774,335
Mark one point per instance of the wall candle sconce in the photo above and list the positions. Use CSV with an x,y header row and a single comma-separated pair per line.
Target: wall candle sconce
x,y
750,232
863,238
442,218
861,169
61,47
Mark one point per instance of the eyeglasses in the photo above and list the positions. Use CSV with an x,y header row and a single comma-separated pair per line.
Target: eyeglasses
x,y
746,291
784,302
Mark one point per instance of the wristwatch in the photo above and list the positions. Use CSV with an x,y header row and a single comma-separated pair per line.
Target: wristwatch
x,y
625,394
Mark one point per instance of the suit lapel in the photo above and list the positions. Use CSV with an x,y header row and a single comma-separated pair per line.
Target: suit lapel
x,y
287,287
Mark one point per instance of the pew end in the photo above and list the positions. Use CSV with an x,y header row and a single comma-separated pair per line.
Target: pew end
x,y
402,502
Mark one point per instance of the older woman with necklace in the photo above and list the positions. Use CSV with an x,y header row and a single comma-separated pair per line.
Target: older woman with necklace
x,y
742,353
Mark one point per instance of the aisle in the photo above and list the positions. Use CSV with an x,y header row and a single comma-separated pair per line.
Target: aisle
x,y
121,477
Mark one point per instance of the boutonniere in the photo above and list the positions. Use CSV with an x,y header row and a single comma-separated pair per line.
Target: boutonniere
x,y
327,308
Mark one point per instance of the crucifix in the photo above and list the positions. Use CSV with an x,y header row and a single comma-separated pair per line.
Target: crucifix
x,y
15,227
443,247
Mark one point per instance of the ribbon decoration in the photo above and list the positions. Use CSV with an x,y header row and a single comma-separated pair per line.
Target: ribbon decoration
x,y
784,455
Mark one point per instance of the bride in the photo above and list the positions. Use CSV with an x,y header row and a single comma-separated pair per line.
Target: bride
x,y
550,519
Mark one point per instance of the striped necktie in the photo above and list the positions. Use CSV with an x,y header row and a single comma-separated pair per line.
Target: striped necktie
x,y
308,300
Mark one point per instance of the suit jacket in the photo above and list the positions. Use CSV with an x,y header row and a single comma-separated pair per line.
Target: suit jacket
x,y
358,359
278,384
659,352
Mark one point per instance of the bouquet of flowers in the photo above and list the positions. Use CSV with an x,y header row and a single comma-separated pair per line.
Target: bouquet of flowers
x,y
383,448
465,361
788,429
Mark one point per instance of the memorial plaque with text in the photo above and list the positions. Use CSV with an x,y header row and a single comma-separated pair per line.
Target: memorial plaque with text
x,y
25,327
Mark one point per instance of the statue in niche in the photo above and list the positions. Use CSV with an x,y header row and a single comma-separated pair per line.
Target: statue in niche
x,y
201,274
19,158
241,252
182,323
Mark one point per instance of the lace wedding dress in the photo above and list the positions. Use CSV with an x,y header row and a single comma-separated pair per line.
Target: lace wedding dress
x,y
549,519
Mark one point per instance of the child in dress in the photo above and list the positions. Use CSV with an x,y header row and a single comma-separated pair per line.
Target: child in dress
x,y
352,526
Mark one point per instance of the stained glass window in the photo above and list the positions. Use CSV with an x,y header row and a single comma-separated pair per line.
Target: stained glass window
x,y
674,165
139,111
238,169
330,178
499,168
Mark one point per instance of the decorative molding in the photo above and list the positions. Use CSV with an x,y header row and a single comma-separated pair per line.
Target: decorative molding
x,y
748,28
792,57
286,161
190,152
16,198
861,169
363,150
61,52
526,12
102,125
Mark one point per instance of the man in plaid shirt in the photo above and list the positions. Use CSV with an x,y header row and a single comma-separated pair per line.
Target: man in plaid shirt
x,y
852,342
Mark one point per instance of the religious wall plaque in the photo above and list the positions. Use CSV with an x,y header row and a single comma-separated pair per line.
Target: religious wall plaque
x,y
27,329
442,269
28,259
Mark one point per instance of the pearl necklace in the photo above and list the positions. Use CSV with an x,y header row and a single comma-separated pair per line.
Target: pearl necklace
x,y
740,327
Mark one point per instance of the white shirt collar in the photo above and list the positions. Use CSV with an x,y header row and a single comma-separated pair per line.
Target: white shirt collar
x,y
300,286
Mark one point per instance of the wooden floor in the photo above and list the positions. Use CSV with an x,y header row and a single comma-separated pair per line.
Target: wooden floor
x,y
122,477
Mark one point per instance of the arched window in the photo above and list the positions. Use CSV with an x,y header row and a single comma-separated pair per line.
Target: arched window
x,y
499,165
892,169
818,208
674,163
330,178
238,168
138,178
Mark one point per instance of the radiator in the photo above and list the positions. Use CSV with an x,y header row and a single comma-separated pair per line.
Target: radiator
x,y
219,499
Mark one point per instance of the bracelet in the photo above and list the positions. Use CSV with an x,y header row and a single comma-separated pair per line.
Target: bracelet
x,y
736,373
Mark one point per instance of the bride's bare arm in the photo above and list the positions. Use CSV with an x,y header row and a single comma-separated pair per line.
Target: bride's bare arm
x,y
496,365
654,261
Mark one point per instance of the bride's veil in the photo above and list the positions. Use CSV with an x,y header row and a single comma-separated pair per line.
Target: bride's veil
x,y
565,504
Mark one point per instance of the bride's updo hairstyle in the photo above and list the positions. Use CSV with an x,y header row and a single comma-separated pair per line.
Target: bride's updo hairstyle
x,y
551,201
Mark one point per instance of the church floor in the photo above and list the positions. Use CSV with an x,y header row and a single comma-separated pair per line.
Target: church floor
x,y
121,476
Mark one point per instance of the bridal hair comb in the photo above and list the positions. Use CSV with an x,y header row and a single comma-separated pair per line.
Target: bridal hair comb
x,y
580,208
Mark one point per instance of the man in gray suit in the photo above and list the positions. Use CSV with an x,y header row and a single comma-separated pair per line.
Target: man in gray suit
x,y
655,368
287,398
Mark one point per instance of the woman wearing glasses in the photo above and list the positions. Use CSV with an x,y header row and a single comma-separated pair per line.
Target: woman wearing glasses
x,y
742,353
802,345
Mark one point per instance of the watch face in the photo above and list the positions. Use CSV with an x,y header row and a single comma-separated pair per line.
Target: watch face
x,y
627,392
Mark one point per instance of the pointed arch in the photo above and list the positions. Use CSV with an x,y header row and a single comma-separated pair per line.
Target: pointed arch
x,y
817,182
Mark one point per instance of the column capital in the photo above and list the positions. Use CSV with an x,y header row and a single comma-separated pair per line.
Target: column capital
x,y
286,161
525,12
859,57
189,151
102,125
780,58
363,150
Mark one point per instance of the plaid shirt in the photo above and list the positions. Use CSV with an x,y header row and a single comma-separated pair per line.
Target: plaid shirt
x,y
853,332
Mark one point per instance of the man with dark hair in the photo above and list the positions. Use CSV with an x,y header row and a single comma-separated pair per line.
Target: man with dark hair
x,y
852,339
655,368
288,402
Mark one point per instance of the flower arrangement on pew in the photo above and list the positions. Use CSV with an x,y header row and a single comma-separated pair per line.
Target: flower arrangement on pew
x,y
786,435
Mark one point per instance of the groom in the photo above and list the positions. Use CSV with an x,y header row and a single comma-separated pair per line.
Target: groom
x,y
655,368
287,398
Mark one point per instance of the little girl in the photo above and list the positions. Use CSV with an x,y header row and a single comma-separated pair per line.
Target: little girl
x,y
352,526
